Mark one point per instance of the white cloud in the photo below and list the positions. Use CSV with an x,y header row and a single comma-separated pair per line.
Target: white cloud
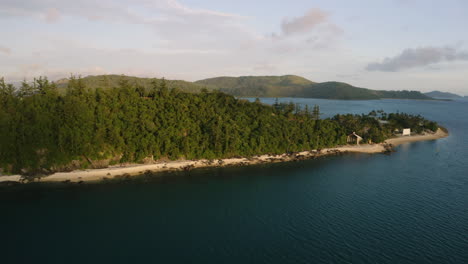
x,y
181,41
312,22
418,57
305,23
178,26
313,30
175,6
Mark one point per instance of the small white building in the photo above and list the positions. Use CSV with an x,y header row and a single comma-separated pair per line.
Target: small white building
x,y
406,132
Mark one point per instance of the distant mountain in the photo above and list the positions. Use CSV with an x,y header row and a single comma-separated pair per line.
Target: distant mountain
x,y
296,86
443,95
257,86
261,86
112,81
340,91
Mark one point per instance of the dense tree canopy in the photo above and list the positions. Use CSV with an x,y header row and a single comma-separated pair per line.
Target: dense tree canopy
x,y
41,128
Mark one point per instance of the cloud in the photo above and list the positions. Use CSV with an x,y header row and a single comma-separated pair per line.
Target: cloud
x,y
314,30
175,24
181,27
5,50
178,7
52,10
418,57
305,23
139,12
52,15
168,39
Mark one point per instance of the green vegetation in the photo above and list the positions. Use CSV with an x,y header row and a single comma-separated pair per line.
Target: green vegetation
x,y
113,81
415,95
339,91
44,130
378,125
295,86
258,86
252,86
344,91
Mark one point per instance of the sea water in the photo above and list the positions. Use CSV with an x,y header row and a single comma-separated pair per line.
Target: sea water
x,y
407,207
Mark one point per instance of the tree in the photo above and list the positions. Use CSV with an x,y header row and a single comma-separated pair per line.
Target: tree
x,y
306,110
141,90
316,112
6,90
25,89
154,90
163,89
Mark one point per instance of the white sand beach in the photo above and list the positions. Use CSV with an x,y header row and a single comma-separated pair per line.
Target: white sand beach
x,y
406,139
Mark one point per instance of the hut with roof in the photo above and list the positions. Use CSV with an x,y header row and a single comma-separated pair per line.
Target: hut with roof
x,y
354,138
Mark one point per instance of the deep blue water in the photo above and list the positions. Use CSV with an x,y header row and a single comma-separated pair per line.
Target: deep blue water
x,y
407,207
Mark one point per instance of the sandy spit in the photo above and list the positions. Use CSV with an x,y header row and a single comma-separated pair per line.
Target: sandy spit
x,y
428,136
138,169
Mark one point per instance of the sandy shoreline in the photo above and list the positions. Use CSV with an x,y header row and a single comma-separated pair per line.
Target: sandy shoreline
x,y
401,140
138,169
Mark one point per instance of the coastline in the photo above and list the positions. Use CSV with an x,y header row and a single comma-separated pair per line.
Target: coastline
x,y
138,169
407,139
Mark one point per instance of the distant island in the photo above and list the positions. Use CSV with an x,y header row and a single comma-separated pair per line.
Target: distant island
x,y
443,95
296,86
257,86
45,130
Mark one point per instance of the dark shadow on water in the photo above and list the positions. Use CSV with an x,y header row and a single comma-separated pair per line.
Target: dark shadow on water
x,y
200,176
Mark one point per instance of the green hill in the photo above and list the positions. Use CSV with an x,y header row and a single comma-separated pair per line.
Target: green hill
x,y
256,86
112,81
340,91
416,95
261,86
296,86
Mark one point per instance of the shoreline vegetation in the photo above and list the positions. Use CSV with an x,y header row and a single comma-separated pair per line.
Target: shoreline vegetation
x,y
49,134
115,172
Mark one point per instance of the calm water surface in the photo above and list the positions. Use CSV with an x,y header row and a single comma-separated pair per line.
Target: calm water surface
x,y
408,207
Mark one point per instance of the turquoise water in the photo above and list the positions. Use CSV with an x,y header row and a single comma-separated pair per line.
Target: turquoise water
x,y
407,207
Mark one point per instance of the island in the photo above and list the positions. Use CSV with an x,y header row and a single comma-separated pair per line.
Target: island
x,y
256,86
93,133
297,86
443,95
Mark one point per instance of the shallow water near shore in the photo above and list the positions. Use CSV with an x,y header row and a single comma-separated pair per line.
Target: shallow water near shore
x,y
407,207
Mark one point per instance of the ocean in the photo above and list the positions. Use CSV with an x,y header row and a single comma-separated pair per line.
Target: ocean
x,y
407,207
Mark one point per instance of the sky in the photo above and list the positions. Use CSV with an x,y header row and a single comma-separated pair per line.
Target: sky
x,y
378,44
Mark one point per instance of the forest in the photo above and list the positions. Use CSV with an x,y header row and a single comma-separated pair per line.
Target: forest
x,y
43,130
